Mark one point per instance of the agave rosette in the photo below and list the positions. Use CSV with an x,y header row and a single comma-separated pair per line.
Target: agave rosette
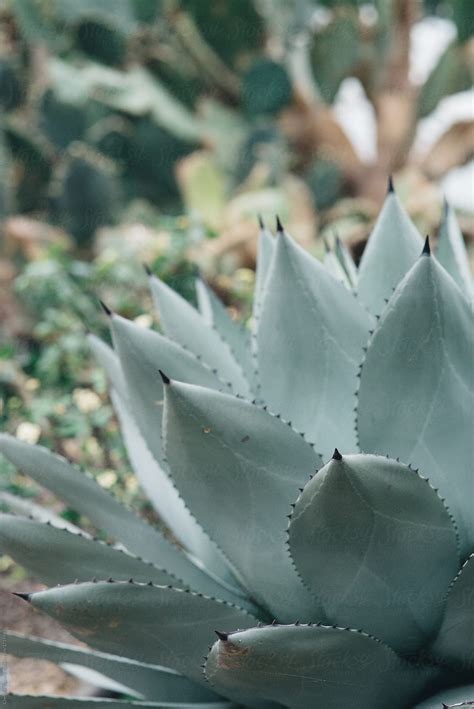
x,y
333,577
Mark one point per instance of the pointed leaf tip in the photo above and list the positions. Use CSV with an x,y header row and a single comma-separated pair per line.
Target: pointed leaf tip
x,y
279,225
148,270
327,248
336,455
260,222
105,308
222,636
23,596
426,248
390,187
166,380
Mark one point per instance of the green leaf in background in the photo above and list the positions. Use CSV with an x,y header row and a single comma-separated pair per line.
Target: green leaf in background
x,y
416,386
306,665
335,50
450,75
266,88
368,573
463,18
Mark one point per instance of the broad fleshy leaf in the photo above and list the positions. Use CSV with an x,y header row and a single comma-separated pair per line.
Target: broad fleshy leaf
x,y
157,625
313,666
57,556
310,336
239,468
27,701
451,250
415,398
142,353
357,534
457,697
266,245
142,680
185,325
83,494
392,249
455,641
232,332
26,508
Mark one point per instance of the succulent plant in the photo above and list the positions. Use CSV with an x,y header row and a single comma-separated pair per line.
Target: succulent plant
x,y
333,576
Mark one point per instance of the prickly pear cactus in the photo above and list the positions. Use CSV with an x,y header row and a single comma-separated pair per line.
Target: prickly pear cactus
x,y
314,473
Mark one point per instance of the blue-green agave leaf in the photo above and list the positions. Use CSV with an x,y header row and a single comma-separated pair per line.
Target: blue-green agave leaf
x,y
450,698
310,335
266,245
143,681
144,453
416,386
357,534
83,494
455,641
451,250
57,556
347,262
26,701
24,507
239,469
156,624
185,325
109,361
231,331
392,249
313,666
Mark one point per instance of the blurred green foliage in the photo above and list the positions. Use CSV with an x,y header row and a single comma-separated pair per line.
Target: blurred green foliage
x,y
100,101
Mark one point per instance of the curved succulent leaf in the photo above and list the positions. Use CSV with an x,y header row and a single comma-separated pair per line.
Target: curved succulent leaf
x,y
232,332
109,361
58,556
157,625
450,698
310,336
142,680
347,262
26,508
26,701
451,250
185,325
171,507
82,493
392,249
455,641
249,464
266,244
313,666
416,388
359,531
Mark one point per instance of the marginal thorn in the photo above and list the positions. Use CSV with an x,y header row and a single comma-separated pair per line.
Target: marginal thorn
x,y
279,225
390,187
166,380
336,455
148,270
23,596
105,308
222,636
260,222
426,248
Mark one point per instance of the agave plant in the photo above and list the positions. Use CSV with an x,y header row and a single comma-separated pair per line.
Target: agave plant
x,y
314,475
